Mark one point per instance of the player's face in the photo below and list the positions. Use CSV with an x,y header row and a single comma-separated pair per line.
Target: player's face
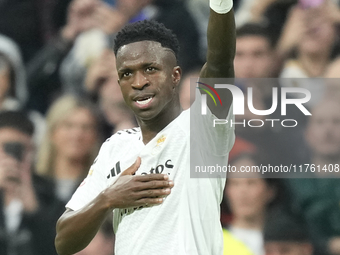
x,y
148,77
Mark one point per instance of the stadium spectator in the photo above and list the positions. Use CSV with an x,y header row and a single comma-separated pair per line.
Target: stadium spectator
x,y
317,198
75,66
42,70
88,24
306,29
101,72
246,11
28,207
252,11
249,197
255,55
255,58
232,245
13,92
70,144
101,83
13,86
285,234
323,133
91,44
31,23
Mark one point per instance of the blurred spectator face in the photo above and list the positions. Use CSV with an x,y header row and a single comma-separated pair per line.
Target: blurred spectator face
x,y
75,135
287,248
319,32
323,129
12,135
8,135
254,57
248,197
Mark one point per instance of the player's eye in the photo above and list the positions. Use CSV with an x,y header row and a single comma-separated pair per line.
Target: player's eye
x,y
150,69
126,74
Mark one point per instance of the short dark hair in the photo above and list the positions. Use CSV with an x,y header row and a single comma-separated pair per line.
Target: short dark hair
x,y
255,29
17,120
147,30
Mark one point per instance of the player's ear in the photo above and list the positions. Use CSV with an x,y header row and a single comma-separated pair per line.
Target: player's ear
x,y
176,75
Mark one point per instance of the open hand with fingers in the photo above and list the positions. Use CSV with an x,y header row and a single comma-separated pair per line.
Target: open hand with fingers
x,y
131,190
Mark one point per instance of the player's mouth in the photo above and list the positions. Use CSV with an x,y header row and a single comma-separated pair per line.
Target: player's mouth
x,y
143,101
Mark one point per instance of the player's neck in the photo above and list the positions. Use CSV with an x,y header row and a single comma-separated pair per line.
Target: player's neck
x,y
150,128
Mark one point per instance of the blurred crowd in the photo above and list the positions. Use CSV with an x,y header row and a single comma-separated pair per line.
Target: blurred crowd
x,y
60,99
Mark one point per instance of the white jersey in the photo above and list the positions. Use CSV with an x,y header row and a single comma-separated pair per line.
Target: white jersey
x,y
188,221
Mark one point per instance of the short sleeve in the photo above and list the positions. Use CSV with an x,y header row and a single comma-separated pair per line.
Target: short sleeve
x,y
94,183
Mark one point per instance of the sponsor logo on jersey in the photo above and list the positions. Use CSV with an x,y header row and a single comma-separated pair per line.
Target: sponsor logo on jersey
x,y
153,170
114,171
160,168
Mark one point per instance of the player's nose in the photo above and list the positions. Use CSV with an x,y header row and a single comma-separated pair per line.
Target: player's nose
x,y
140,81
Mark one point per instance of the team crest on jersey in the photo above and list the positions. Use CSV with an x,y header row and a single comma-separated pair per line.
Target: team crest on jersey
x,y
159,144
161,140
